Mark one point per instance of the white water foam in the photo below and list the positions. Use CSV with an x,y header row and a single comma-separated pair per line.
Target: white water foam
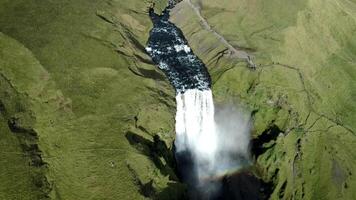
x,y
182,47
195,121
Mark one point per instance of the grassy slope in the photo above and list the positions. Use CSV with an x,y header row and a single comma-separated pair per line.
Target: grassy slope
x,y
80,75
304,84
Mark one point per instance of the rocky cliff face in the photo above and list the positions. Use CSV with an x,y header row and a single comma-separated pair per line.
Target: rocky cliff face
x,y
300,89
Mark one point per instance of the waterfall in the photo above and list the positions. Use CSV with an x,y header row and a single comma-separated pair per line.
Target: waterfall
x,y
195,128
217,142
209,145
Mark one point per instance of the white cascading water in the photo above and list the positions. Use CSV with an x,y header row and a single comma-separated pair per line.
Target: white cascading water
x,y
196,130
217,142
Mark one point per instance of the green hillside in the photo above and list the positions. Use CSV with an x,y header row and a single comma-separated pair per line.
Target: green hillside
x,y
85,114
77,98
302,94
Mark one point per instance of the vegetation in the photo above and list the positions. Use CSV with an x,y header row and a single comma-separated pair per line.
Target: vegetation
x,y
84,112
302,94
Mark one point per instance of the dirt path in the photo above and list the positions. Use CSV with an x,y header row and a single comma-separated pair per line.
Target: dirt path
x,y
234,52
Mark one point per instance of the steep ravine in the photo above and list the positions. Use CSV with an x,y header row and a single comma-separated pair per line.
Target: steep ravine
x,y
86,114
186,72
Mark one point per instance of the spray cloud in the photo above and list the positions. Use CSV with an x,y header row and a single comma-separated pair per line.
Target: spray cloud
x,y
215,143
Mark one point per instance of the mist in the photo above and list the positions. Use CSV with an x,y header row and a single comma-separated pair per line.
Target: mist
x,y
209,144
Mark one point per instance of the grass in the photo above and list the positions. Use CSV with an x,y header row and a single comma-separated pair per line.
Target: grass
x,y
304,84
65,60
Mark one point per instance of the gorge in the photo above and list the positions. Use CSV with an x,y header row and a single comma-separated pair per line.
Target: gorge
x,y
205,151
